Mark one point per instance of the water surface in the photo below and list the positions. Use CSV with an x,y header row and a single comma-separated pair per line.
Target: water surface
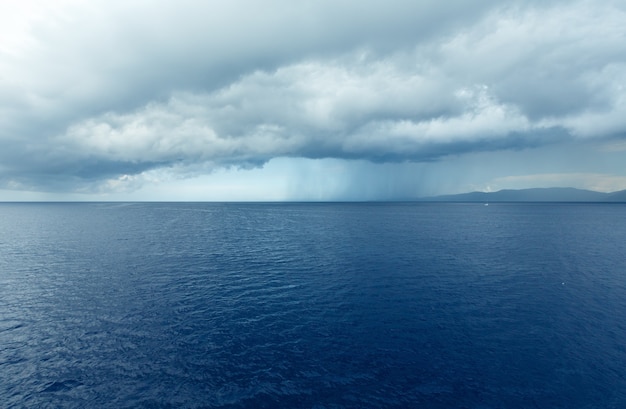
x,y
312,305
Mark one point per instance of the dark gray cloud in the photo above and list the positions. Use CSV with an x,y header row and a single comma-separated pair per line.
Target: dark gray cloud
x,y
97,91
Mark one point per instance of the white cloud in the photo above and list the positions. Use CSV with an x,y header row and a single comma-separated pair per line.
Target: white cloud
x,y
104,93
482,119
307,110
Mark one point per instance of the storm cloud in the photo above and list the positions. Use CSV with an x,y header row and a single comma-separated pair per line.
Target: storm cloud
x,y
99,95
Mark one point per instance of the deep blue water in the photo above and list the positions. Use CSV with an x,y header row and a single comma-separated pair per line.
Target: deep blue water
x,y
313,305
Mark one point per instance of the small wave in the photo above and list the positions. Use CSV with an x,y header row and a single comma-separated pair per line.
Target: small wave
x,y
61,386
10,325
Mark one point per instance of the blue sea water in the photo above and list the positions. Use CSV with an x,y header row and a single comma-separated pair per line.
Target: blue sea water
x,y
196,305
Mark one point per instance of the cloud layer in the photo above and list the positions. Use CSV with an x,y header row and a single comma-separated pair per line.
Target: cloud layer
x,y
94,92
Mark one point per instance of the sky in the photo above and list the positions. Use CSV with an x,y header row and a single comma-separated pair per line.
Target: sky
x,y
309,100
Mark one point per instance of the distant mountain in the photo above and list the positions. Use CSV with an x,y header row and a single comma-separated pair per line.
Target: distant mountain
x,y
619,196
554,194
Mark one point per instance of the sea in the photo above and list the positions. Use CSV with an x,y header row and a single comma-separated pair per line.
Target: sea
x,y
312,305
